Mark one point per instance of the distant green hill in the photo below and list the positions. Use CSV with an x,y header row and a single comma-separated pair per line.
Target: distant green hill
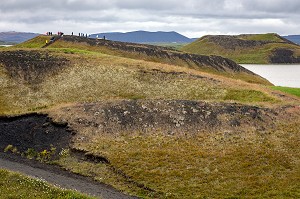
x,y
247,48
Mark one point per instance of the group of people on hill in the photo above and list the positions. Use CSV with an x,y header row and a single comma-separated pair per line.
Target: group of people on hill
x,y
79,34
58,33
83,35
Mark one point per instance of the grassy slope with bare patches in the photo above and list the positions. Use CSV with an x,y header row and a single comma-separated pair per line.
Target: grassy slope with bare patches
x,y
92,76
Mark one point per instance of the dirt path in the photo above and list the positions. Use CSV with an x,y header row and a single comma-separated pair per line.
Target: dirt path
x,y
58,177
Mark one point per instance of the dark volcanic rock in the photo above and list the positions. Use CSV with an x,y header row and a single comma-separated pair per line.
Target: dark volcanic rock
x,y
281,55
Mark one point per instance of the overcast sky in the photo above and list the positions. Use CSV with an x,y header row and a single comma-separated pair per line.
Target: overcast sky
x,y
192,18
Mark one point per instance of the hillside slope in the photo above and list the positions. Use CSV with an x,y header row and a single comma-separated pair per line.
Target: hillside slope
x,y
150,121
247,49
76,69
212,64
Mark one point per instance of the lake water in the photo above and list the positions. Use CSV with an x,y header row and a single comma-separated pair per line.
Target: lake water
x,y
6,45
279,75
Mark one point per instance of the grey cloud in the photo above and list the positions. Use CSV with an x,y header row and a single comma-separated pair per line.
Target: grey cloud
x,y
273,6
190,16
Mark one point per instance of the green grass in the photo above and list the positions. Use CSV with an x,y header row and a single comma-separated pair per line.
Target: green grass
x,y
14,185
263,37
293,91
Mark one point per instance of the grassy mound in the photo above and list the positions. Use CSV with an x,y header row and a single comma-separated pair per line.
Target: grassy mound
x,y
255,155
247,49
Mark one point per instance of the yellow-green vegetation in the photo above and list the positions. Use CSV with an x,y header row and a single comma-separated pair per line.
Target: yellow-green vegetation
x,y
93,76
14,185
245,164
262,37
257,54
293,91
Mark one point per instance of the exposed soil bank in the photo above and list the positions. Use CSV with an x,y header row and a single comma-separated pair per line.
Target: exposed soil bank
x,y
36,131
39,132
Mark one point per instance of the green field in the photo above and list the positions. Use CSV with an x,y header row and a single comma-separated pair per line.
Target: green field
x,y
293,91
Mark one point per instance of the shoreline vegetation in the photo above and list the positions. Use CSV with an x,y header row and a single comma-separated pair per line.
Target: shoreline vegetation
x,y
290,90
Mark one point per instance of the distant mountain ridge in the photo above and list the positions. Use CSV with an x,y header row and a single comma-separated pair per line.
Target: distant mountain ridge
x,y
16,37
293,38
144,37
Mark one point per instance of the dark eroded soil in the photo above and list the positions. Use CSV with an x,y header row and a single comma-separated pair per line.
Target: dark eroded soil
x,y
170,116
31,66
35,131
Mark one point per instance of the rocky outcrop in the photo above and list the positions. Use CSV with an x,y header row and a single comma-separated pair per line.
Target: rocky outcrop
x,y
232,42
282,56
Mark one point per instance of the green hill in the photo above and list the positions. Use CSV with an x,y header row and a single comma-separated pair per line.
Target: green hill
x,y
247,49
